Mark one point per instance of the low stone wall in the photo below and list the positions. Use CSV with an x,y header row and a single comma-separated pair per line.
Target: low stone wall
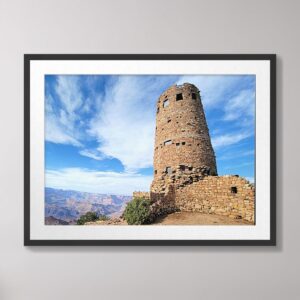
x,y
160,203
145,195
230,196
163,203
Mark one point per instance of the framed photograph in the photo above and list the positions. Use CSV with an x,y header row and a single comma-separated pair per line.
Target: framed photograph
x,y
150,149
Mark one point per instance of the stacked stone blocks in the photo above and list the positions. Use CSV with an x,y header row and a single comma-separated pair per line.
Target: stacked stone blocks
x,y
185,171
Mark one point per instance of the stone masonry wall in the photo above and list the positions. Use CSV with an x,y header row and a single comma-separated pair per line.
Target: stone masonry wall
x,y
145,195
182,138
185,171
230,196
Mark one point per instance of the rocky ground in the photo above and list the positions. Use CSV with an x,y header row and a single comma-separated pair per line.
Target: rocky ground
x,y
183,218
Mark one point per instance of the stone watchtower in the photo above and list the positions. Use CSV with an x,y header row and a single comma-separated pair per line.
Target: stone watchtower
x,y
183,150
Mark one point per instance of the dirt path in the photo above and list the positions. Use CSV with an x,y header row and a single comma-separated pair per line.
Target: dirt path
x,y
192,218
182,218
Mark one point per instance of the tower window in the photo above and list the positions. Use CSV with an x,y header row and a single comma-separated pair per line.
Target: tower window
x,y
179,97
157,110
169,170
182,167
155,171
168,142
190,168
166,103
233,190
183,143
177,144
194,96
169,121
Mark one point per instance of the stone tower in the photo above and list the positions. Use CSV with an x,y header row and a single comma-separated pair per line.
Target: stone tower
x,y
183,147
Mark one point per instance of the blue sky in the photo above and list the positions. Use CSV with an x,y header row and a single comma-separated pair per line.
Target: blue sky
x,y
99,130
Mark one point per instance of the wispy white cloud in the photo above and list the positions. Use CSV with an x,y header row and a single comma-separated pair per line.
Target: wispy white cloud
x,y
94,154
236,99
241,106
214,89
96,181
58,128
69,92
229,139
124,125
62,122
55,132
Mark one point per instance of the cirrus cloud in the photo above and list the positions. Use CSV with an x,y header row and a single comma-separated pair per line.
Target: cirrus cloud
x,y
125,124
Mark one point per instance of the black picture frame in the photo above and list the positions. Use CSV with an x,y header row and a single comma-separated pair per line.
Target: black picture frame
x,y
31,57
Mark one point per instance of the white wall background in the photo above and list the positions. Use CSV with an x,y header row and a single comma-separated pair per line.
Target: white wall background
x,y
143,26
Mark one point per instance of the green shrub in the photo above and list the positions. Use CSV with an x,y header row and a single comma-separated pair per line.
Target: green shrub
x,y
90,216
137,211
103,218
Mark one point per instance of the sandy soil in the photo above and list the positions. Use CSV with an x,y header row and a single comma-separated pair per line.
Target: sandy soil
x,y
192,218
182,218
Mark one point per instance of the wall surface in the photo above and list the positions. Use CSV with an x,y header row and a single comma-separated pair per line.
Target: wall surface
x,y
143,26
182,123
213,195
